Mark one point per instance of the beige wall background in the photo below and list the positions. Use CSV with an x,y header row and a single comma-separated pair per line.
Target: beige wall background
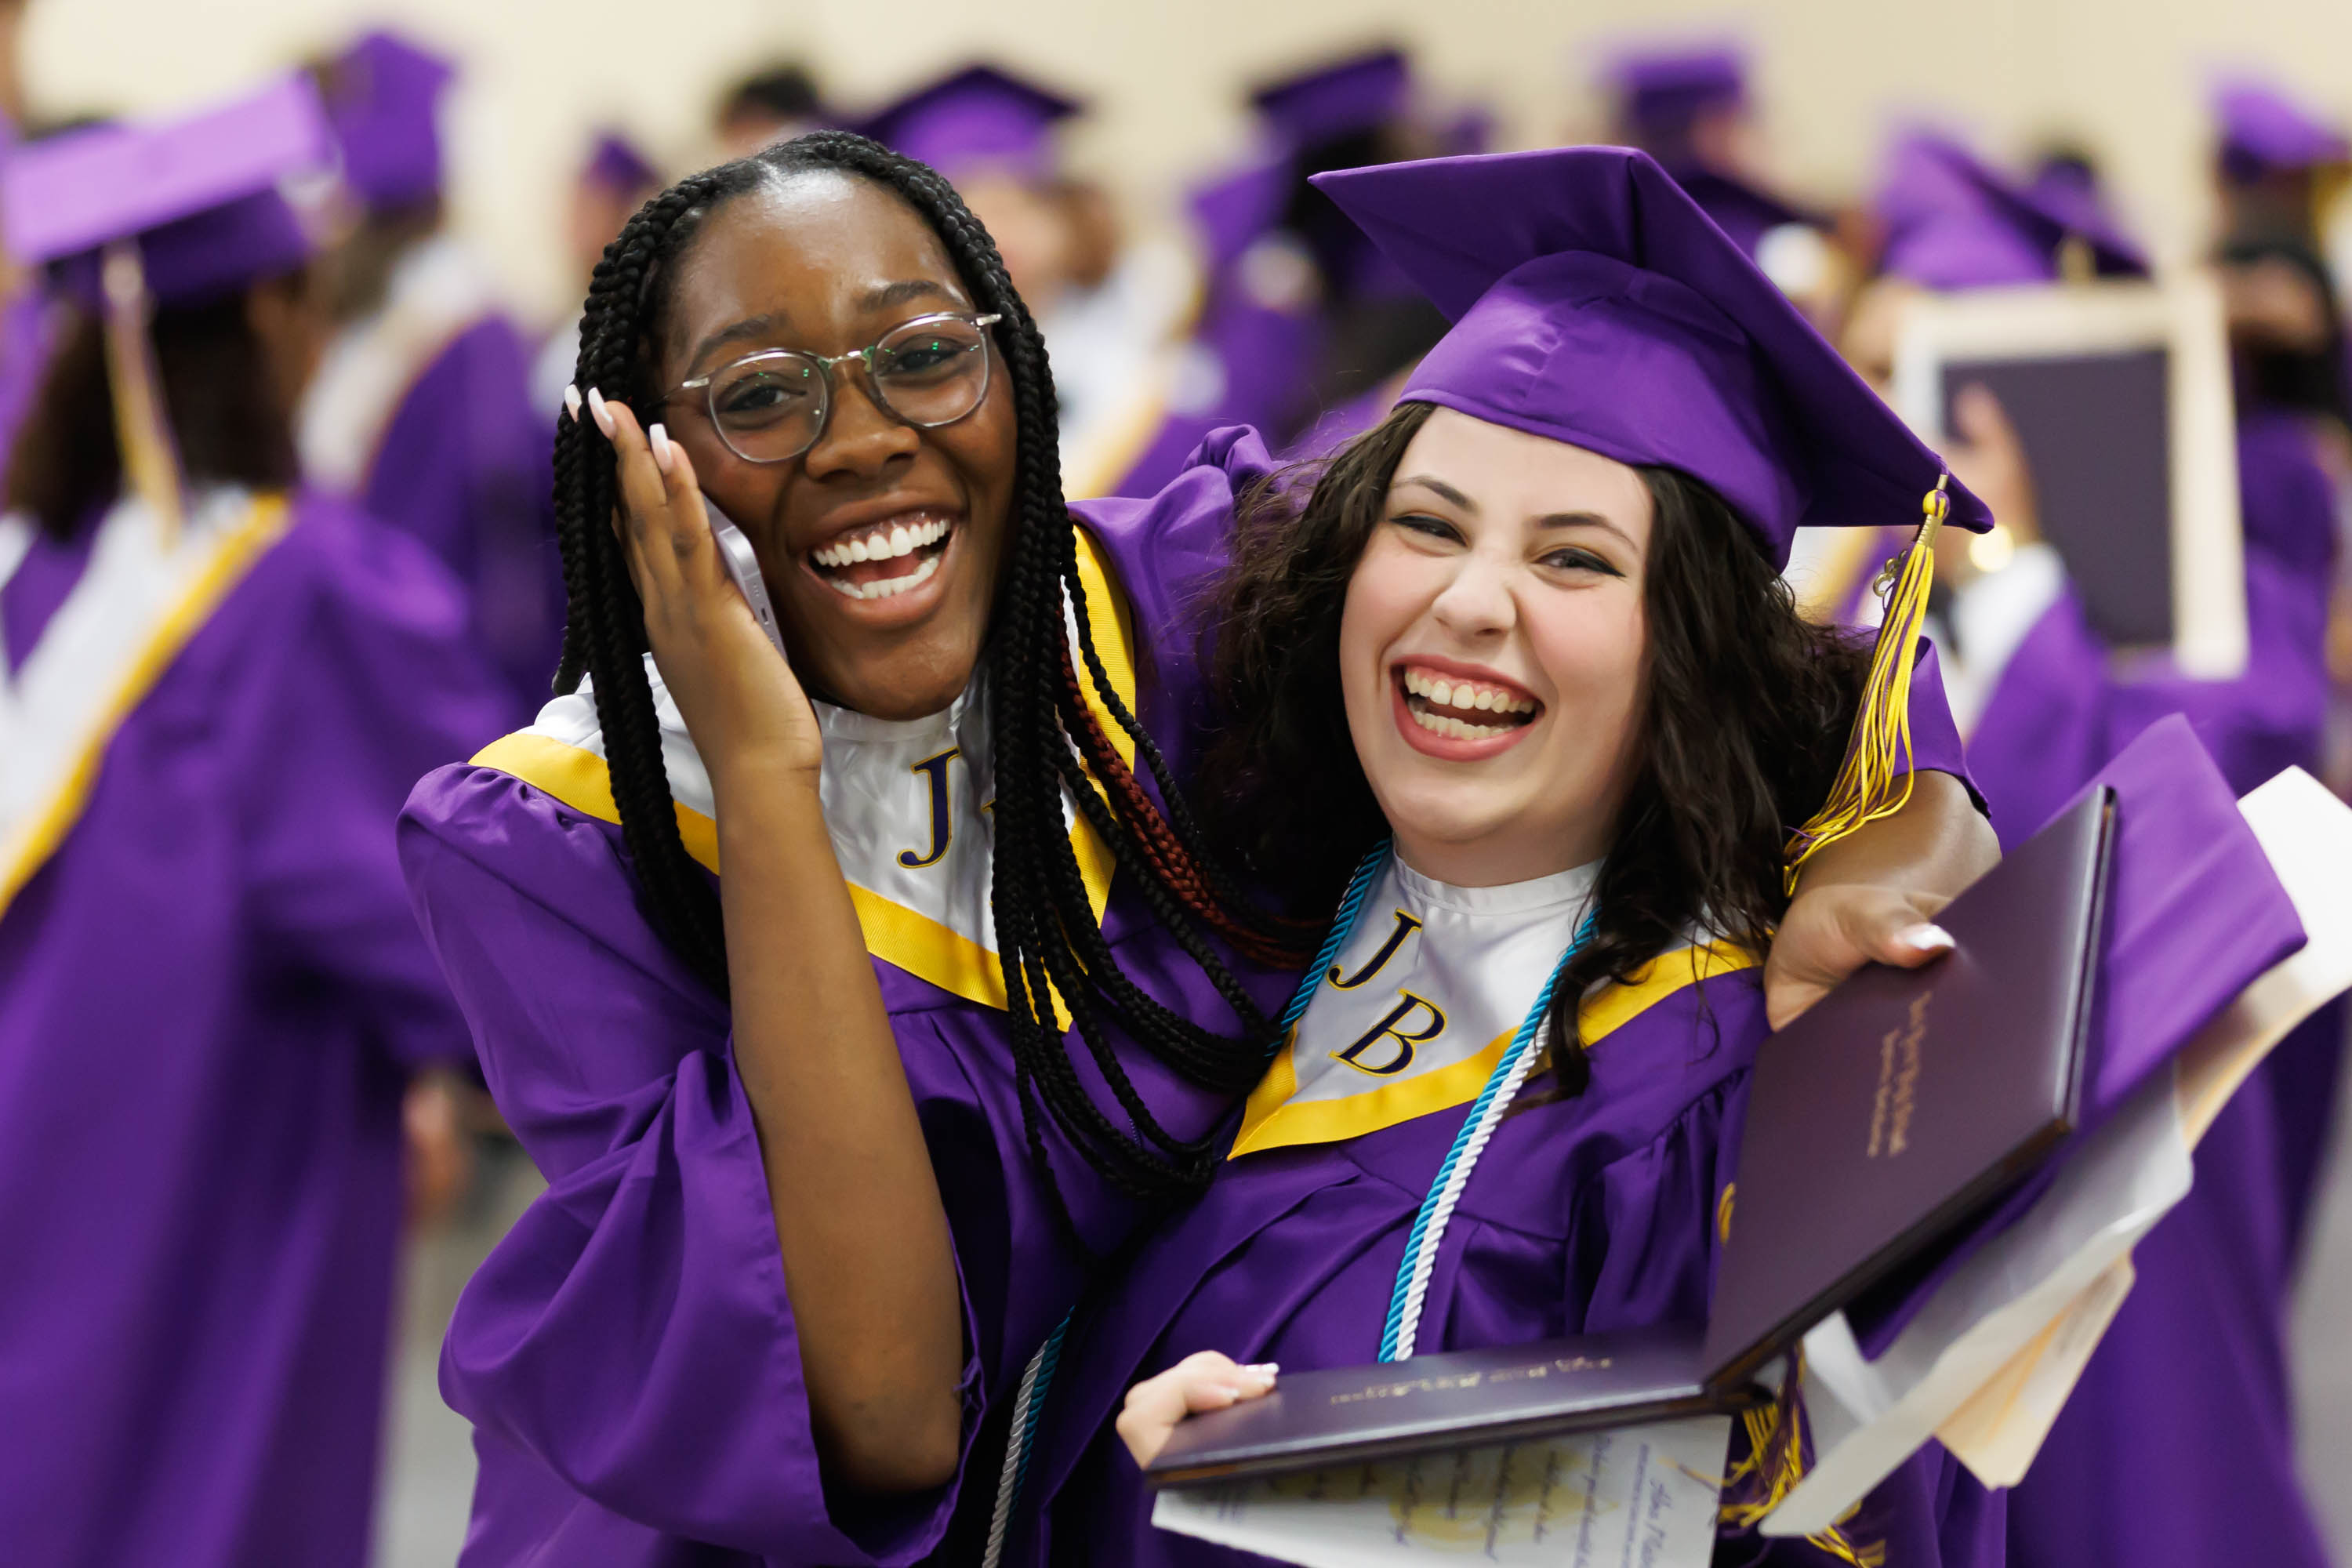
x,y
2125,76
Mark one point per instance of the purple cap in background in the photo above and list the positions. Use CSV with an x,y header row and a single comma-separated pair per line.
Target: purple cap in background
x,y
1953,223
979,115
1661,92
2264,132
1470,131
1339,98
199,193
615,163
383,97
1594,303
1740,209
1236,209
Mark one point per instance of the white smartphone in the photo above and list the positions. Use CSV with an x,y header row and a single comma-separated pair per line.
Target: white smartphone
x,y
743,565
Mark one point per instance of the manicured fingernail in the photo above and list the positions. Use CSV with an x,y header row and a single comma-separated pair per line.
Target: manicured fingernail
x,y
1230,1391
1267,1367
572,403
601,415
1926,938
664,458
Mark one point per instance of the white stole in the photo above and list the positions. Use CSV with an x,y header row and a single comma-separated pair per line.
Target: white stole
x,y
134,606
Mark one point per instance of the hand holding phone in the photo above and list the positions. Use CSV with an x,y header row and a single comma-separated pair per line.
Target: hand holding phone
x,y
743,565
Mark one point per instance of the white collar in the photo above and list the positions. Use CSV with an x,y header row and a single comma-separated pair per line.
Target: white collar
x,y
1428,989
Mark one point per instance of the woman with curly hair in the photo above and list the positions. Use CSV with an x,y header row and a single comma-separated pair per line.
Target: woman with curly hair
x,y
1520,691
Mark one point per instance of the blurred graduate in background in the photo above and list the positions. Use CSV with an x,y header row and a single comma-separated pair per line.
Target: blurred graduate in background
x,y
2278,166
2176,1445
1112,309
1689,107
613,184
2281,172
1306,330
422,408
774,103
218,687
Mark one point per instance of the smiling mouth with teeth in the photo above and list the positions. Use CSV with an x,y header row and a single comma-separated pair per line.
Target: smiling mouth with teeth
x,y
886,559
1464,709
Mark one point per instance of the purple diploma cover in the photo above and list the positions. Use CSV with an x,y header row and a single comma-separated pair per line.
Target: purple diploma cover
x,y
1902,1106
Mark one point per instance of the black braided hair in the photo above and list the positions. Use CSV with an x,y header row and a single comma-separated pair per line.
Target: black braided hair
x,y
1047,742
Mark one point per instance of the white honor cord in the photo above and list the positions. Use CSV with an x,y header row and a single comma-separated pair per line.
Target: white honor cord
x,y
1424,1262
1016,1452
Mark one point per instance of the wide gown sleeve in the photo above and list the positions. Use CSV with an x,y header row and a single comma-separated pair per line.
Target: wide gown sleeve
x,y
1934,735
633,1330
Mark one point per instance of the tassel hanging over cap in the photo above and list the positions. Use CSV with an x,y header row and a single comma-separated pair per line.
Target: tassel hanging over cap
x,y
151,459
1878,754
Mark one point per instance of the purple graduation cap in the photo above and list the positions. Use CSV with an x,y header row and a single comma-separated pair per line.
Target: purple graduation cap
x,y
1953,223
195,199
1339,98
1594,303
383,97
1233,210
176,212
616,164
2265,132
976,116
1661,92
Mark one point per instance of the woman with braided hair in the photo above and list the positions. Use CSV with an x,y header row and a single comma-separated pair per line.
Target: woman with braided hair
x,y
835,1139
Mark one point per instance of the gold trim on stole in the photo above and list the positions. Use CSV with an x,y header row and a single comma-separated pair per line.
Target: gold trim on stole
x,y
1273,1121
238,549
895,934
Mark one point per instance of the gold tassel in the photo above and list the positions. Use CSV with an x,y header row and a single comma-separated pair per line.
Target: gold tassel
x,y
1879,753
1776,1462
151,459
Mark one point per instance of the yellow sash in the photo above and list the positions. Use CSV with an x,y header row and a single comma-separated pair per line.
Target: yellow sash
x,y
214,562
1273,1121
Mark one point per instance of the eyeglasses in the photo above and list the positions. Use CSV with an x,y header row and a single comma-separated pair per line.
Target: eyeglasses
x,y
771,406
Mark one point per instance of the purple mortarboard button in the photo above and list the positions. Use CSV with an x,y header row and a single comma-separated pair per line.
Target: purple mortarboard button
x,y
617,166
1342,98
1953,223
199,193
1661,92
385,100
980,115
2264,132
1594,303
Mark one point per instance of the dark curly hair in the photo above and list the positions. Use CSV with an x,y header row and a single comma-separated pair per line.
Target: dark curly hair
x,y
1748,710
1048,935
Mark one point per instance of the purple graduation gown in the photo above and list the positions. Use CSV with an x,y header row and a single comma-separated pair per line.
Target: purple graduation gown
x,y
210,996
627,1353
1584,1216
463,464
2177,1444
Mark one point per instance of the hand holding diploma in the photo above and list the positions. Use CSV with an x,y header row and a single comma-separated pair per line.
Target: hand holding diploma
x,y
1206,1380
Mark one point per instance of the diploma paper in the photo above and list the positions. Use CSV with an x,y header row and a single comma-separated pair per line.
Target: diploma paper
x,y
1643,1497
